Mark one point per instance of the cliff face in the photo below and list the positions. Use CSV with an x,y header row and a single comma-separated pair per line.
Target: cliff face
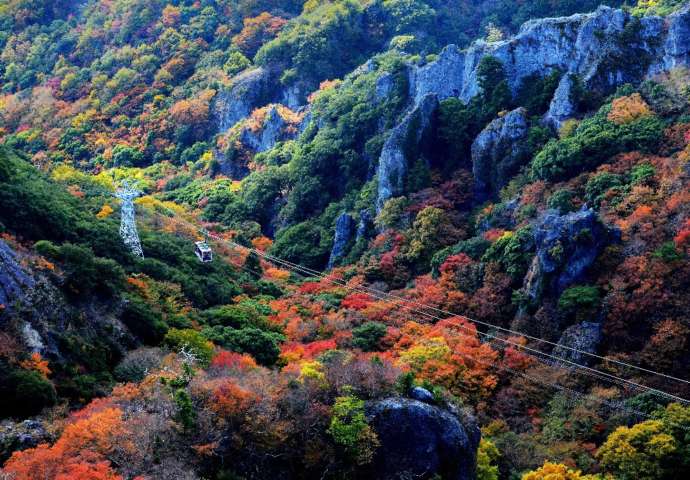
x,y
594,46
393,163
498,152
603,49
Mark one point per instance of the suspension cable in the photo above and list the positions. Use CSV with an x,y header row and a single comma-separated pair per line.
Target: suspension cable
x,y
405,303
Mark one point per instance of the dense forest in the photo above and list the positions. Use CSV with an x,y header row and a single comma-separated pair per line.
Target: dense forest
x,y
450,239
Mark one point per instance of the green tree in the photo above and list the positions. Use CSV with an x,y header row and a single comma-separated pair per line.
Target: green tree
x,y
366,337
260,344
350,430
192,341
487,456
581,301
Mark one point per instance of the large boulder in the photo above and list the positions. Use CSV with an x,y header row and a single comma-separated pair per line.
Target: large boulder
x,y
567,245
604,48
404,145
577,341
419,440
498,152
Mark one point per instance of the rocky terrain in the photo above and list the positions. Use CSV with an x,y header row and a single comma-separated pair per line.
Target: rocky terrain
x,y
450,240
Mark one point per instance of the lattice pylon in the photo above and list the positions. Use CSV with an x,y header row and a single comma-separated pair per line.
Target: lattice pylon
x,y
128,225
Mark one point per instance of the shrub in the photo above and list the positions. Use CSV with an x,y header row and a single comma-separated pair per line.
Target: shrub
x,y
366,337
142,320
513,251
260,344
24,392
642,173
668,252
192,341
599,184
305,243
136,364
595,140
627,109
583,301
561,200
487,456
350,430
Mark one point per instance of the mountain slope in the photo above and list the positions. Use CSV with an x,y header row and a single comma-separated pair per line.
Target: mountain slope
x,y
505,223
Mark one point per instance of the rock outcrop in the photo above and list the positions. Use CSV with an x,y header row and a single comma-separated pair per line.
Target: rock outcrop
x,y
422,395
582,337
604,48
277,125
344,230
567,245
249,90
15,281
403,144
562,106
16,436
498,152
364,226
419,440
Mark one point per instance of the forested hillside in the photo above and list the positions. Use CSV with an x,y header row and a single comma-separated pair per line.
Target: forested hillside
x,y
450,239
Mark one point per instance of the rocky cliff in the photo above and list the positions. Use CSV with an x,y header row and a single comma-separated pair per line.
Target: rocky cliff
x,y
597,47
498,152
398,150
600,50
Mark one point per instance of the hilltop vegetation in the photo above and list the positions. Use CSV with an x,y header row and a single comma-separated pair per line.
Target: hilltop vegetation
x,y
504,232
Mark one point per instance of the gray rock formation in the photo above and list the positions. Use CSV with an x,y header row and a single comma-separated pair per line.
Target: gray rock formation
x,y
676,47
422,394
384,86
588,45
344,230
293,96
584,337
15,281
249,90
364,225
567,245
273,130
16,436
419,440
562,106
498,152
402,145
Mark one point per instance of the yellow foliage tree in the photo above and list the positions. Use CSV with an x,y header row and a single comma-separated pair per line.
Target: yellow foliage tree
x,y
628,109
105,211
558,471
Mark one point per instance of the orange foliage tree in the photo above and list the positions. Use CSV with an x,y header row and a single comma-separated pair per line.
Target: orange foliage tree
x,y
449,354
82,450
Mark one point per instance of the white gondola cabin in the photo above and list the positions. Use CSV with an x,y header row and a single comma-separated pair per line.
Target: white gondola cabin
x,y
203,251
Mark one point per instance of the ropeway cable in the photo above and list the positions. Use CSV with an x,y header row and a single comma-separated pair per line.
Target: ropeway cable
x,y
396,300
585,369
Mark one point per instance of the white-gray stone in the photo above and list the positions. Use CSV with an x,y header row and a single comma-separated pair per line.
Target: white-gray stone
x,y
498,152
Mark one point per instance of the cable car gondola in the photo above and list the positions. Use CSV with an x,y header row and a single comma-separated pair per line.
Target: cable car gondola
x,y
203,252
202,249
